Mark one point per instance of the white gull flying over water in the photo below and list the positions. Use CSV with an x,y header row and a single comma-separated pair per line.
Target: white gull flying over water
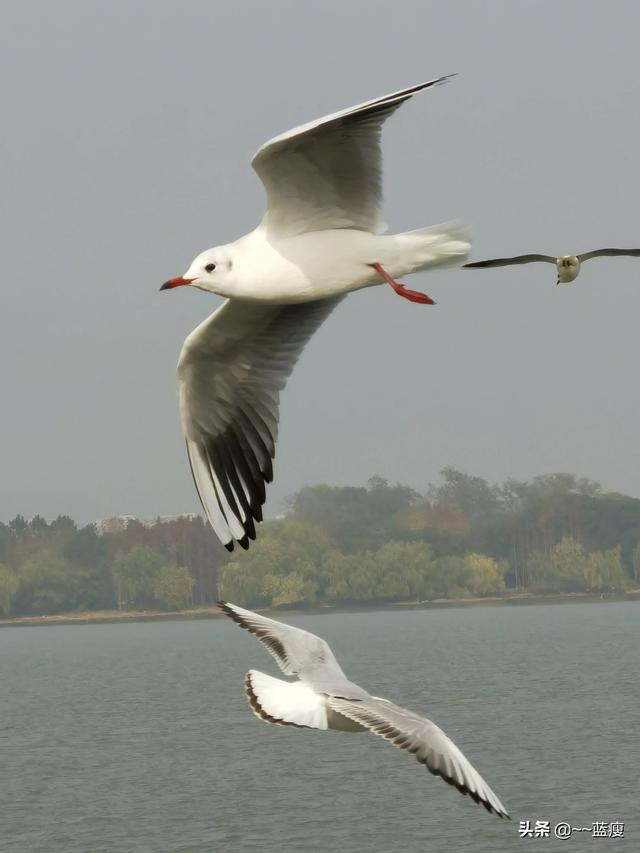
x,y
318,240
323,698
568,266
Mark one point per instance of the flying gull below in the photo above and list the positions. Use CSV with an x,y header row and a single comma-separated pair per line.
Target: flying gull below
x,y
319,239
568,266
323,698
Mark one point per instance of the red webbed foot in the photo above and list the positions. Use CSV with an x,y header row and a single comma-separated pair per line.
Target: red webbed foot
x,y
401,290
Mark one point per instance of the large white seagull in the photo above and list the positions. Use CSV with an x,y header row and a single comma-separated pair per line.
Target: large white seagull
x,y
319,239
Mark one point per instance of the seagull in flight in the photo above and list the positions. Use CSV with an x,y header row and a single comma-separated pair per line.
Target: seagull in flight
x,y
568,266
324,698
319,239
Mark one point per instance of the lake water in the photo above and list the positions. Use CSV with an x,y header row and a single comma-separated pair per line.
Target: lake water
x,y
137,737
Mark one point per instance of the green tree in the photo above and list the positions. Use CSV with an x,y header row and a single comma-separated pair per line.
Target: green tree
x,y
400,571
87,549
8,588
449,577
174,587
568,561
285,548
135,573
293,588
604,572
48,583
7,543
346,577
38,524
19,524
355,518
635,562
184,541
473,495
569,568
554,485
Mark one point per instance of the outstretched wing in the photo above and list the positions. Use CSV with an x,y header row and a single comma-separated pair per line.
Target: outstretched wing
x,y
230,374
598,253
328,173
505,262
425,740
297,652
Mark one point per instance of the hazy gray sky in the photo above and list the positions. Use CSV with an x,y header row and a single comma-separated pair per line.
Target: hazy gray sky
x,y
128,130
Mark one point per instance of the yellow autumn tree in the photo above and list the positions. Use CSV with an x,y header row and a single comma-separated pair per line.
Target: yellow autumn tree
x,y
485,575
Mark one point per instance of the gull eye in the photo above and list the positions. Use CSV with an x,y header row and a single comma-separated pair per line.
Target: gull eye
x,y
209,267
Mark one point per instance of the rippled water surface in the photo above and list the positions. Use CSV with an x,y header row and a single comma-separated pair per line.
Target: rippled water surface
x,y
137,737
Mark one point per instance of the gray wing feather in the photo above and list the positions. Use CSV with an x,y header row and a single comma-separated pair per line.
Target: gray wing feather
x,y
297,652
230,374
505,262
597,253
328,173
426,741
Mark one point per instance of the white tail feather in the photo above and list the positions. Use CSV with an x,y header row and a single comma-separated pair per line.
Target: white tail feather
x,y
436,246
284,703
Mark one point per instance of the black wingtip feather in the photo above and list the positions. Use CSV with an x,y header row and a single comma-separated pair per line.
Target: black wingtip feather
x,y
230,612
228,546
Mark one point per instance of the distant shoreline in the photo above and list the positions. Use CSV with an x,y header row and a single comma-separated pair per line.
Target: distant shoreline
x,y
86,617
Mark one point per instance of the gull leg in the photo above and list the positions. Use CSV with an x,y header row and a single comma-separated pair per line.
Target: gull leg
x,y
401,290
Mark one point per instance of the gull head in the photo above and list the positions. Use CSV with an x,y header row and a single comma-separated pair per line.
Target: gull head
x,y
210,271
568,267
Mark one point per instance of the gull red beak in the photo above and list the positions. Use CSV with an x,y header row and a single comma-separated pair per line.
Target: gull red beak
x,y
176,282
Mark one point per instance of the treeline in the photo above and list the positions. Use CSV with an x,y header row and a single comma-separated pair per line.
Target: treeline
x,y
465,537
297,563
58,567
380,543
